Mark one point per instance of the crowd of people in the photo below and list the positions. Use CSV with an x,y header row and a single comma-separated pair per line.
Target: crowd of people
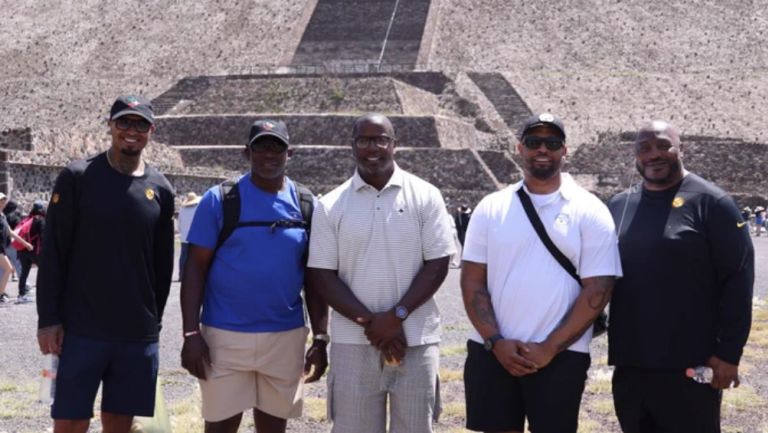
x,y
756,219
20,243
541,260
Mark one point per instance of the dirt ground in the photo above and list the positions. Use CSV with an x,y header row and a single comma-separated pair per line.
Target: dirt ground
x,y
20,364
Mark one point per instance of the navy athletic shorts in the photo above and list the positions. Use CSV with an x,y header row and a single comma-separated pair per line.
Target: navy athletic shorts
x,y
128,371
549,398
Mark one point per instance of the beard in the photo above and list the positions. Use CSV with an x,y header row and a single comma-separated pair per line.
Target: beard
x,y
130,152
674,170
543,173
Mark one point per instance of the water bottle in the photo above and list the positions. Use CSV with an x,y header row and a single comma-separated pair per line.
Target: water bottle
x,y
701,374
48,379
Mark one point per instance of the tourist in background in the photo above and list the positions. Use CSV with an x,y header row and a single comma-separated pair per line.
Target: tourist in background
x,y
186,213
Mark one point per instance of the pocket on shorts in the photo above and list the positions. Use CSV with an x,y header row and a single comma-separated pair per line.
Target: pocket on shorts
x,y
438,401
329,402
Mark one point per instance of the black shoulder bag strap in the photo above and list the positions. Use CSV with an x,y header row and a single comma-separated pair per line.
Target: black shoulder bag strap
x,y
533,217
601,323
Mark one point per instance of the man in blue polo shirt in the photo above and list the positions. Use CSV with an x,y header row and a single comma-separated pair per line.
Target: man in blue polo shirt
x,y
249,351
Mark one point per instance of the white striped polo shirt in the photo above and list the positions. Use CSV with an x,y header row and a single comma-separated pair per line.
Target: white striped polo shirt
x,y
378,241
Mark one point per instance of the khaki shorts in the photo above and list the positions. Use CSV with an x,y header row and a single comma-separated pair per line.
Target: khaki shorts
x,y
253,370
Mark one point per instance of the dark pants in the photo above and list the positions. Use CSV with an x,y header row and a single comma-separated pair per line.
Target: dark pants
x,y
27,259
664,401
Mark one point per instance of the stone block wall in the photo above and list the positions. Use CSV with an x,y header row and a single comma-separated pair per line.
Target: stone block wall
x,y
329,129
231,95
17,139
736,166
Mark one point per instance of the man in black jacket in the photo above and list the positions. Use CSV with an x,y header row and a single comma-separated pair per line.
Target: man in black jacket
x,y
104,277
685,299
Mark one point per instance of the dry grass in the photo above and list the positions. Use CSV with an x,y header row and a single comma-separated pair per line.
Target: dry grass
x,y
446,351
603,406
447,375
19,400
315,409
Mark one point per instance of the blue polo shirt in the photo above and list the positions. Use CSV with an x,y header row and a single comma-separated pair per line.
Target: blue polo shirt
x,y
255,279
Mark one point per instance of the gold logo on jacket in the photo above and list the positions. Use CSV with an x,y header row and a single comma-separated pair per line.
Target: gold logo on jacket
x,y
678,201
56,197
150,193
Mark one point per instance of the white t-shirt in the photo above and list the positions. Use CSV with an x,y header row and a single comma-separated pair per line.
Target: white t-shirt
x,y
530,292
378,241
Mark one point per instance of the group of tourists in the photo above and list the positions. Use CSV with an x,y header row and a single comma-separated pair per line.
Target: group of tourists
x,y
541,260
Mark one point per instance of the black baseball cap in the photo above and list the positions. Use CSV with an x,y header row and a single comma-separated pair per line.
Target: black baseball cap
x,y
132,104
542,119
274,128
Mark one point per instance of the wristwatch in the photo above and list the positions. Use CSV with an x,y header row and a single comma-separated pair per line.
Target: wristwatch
x,y
401,312
491,341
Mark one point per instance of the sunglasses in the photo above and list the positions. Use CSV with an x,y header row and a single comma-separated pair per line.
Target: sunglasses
x,y
382,142
139,125
551,143
268,146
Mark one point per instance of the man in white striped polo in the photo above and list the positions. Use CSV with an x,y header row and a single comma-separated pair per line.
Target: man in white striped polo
x,y
379,251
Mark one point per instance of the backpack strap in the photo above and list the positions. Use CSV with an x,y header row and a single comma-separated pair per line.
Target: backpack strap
x,y
230,199
306,205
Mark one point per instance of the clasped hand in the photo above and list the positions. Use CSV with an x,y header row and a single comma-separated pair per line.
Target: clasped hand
x,y
385,332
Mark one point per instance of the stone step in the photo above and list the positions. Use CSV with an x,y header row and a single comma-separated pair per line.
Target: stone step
x,y
328,129
344,30
324,167
508,103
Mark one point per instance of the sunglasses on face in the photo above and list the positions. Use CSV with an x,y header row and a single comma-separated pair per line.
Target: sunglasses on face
x,y
551,143
644,148
382,142
139,125
267,146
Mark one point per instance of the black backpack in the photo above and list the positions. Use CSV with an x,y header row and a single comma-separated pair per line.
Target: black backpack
x,y
230,196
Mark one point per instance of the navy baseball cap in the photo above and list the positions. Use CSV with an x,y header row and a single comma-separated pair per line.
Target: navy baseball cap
x,y
542,119
132,104
266,127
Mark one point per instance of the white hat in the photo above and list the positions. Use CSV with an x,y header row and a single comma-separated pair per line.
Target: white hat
x,y
191,199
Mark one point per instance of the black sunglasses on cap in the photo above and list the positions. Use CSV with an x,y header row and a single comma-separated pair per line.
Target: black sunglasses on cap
x,y
533,142
140,125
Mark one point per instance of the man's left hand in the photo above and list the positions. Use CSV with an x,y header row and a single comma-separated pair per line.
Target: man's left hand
x,y
540,354
383,328
316,361
723,374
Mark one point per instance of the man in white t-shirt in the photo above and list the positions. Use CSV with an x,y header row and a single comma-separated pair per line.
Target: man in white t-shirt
x,y
529,353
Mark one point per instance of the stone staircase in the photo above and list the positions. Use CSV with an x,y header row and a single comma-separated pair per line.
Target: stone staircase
x,y
503,96
355,31
607,166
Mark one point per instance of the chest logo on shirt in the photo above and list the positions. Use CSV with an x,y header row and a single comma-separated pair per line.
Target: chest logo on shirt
x,y
55,199
678,201
562,219
149,193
